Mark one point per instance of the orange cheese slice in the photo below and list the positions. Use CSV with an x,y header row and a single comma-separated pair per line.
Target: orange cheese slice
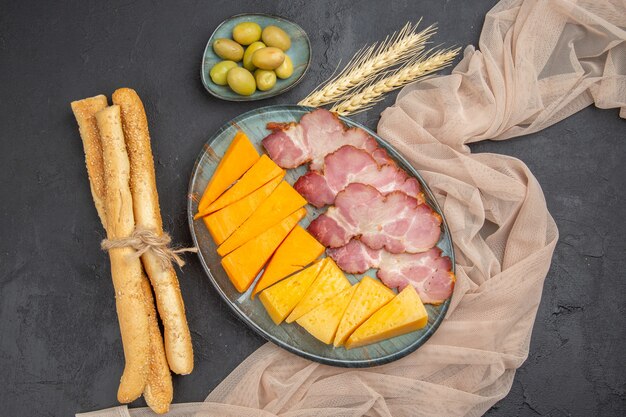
x,y
330,282
223,223
239,157
370,296
404,314
280,299
282,202
323,320
245,263
297,251
263,171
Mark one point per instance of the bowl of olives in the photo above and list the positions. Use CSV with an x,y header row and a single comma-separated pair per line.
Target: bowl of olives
x,y
254,56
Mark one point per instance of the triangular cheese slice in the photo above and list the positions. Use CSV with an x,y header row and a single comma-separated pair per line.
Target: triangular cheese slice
x,y
280,299
298,250
223,223
239,157
263,171
369,297
404,314
245,263
330,282
323,320
283,201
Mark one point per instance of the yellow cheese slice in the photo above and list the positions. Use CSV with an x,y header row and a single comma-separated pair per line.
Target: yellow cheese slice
x,y
297,251
239,157
330,282
280,299
404,314
223,223
245,263
323,320
369,297
263,171
282,202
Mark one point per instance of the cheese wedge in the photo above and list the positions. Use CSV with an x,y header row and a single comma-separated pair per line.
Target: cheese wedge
x,y
239,157
330,282
297,251
370,296
280,299
323,320
263,171
281,203
245,263
223,223
404,314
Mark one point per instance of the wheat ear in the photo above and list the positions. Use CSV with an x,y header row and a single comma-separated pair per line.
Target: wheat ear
x,y
421,66
370,61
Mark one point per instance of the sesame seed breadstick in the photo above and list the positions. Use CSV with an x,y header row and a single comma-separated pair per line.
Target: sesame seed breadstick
x,y
169,300
84,111
159,391
126,269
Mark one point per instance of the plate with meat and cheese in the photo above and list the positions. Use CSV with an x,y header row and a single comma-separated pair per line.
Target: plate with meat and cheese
x,y
320,236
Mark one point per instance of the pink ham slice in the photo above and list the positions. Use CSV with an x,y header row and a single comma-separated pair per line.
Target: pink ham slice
x,y
318,134
395,222
349,165
429,272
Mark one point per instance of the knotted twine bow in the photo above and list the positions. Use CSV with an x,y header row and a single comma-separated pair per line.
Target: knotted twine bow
x,y
143,240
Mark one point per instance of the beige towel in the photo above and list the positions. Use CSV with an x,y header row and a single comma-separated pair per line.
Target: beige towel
x,y
539,62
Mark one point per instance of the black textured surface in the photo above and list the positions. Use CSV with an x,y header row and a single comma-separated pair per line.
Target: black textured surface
x,y
60,349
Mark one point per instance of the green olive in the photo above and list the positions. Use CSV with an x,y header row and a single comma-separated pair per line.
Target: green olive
x,y
246,33
219,71
247,56
286,68
265,79
241,81
228,49
275,36
268,58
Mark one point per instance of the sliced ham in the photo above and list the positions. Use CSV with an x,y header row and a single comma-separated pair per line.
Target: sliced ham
x,y
396,222
318,134
349,165
429,272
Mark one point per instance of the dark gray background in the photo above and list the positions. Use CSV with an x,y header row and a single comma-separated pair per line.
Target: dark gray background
x,y
60,349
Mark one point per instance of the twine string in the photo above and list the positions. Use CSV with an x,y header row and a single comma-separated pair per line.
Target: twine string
x,y
143,240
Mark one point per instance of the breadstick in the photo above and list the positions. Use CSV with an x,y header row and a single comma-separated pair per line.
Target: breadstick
x,y
125,268
158,392
84,111
170,304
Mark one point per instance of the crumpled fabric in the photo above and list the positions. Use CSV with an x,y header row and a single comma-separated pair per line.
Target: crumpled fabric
x,y
538,62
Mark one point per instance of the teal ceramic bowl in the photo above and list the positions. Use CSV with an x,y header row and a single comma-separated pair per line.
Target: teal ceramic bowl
x,y
292,337
300,54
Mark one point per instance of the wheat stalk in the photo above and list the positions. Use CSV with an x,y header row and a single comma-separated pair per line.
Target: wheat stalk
x,y
372,92
370,61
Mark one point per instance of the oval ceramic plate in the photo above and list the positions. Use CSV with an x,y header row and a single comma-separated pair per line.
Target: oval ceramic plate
x,y
300,54
291,336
